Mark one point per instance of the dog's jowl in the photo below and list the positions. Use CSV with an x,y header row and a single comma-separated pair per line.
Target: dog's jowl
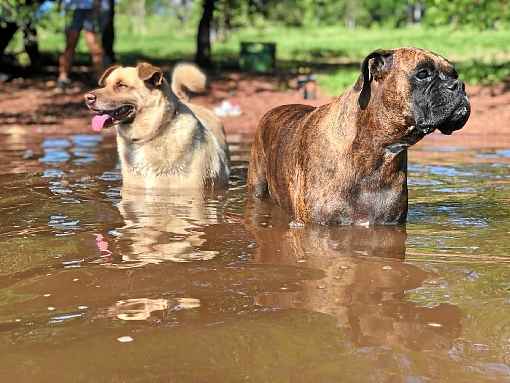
x,y
346,162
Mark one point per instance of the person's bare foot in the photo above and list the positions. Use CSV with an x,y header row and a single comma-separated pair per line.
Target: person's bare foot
x,y
62,85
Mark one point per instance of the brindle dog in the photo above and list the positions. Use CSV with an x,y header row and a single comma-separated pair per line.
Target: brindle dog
x,y
346,162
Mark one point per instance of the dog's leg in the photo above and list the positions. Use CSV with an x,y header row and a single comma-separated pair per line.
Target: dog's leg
x,y
257,181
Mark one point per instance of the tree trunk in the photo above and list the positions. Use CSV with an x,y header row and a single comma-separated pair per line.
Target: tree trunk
x,y
7,32
351,11
139,16
8,29
227,15
108,33
31,46
203,53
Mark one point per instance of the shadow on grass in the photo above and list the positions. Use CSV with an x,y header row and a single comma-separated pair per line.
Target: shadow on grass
x,y
472,72
333,65
324,53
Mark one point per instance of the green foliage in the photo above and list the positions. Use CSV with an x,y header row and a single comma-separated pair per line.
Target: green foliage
x,y
350,13
332,51
389,12
485,73
18,11
480,13
24,12
337,81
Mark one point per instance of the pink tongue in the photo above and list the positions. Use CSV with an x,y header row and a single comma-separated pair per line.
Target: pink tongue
x,y
99,121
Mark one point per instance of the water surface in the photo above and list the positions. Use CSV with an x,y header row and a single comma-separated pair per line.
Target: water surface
x,y
177,288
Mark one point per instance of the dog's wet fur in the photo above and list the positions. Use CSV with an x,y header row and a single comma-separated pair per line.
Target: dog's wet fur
x,y
164,142
346,162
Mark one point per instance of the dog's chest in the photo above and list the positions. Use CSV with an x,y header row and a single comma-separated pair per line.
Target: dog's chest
x,y
160,169
384,206
149,167
376,199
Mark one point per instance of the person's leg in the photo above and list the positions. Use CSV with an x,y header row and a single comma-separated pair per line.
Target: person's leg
x,y
66,59
72,35
95,51
93,43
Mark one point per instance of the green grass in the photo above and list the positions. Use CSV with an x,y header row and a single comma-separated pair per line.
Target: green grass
x,y
334,44
333,52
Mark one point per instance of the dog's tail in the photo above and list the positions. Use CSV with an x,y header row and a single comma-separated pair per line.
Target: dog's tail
x,y
188,78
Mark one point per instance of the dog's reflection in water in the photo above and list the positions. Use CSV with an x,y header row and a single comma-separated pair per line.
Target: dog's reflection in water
x,y
365,287
142,309
159,228
163,227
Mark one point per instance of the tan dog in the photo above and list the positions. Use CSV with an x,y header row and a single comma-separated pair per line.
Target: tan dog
x,y
163,141
346,162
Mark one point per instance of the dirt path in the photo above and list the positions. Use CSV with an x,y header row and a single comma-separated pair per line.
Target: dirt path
x,y
28,106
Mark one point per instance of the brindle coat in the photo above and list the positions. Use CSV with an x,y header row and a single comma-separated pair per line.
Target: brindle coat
x,y
346,162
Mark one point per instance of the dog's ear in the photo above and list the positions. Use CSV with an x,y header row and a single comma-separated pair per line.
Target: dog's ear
x,y
150,74
374,66
106,73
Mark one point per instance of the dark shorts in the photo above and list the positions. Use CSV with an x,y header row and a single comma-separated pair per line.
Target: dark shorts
x,y
79,19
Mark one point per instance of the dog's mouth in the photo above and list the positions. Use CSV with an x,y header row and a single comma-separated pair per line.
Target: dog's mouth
x,y
457,120
445,118
104,118
411,137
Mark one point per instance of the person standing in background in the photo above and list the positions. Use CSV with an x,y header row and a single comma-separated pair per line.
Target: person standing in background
x,y
80,14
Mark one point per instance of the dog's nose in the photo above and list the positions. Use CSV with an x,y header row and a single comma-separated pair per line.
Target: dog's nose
x,y
90,98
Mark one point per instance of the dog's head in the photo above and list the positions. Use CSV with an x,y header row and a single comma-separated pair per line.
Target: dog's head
x,y
416,90
124,93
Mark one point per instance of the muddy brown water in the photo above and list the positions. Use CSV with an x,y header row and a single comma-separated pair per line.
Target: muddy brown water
x,y
95,287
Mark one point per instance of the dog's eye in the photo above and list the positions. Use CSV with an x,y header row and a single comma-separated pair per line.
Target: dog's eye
x,y
121,85
423,74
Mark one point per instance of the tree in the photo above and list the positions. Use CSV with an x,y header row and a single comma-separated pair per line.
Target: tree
x,y
108,33
7,31
480,13
15,15
203,52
